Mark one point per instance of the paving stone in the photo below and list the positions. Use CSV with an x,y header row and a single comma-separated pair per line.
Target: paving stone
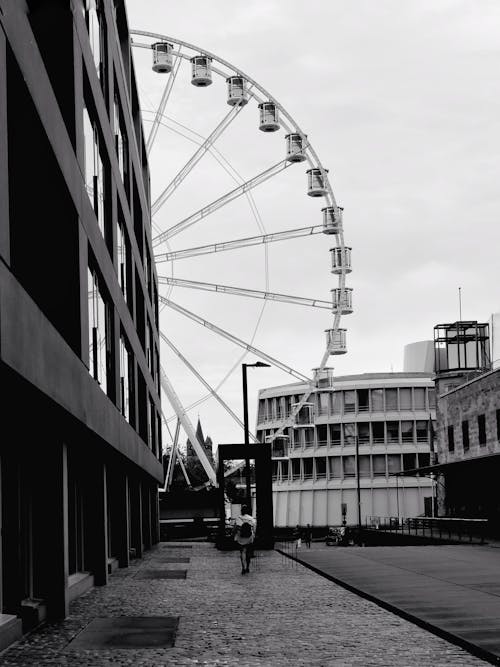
x,y
128,632
281,614
161,574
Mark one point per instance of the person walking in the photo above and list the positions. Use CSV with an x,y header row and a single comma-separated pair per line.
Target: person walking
x,y
308,535
244,535
297,536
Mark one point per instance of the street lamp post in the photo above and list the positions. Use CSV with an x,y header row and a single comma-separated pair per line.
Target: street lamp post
x,y
258,364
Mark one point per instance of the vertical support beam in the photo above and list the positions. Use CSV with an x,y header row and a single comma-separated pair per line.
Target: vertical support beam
x,y
55,558
146,515
4,178
119,491
264,498
97,494
136,516
155,514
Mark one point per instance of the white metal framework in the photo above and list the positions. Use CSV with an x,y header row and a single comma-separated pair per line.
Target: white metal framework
x,y
167,55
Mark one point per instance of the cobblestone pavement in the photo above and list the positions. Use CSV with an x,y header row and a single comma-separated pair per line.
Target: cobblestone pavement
x,y
279,614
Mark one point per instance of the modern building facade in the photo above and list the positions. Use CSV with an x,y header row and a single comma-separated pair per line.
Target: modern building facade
x,y
80,448
376,423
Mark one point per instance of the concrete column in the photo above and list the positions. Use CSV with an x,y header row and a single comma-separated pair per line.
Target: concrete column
x,y
98,528
55,556
155,514
120,516
136,516
4,180
146,515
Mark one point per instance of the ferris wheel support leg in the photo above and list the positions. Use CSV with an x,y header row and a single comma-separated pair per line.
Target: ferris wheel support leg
x,y
163,104
195,158
222,201
173,453
212,391
187,426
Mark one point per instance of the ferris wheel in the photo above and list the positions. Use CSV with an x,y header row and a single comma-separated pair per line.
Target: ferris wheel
x,y
169,60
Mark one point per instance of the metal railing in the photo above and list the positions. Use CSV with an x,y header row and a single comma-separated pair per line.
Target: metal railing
x,y
438,528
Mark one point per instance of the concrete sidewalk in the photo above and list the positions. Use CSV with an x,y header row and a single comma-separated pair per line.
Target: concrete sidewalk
x,y
453,590
280,614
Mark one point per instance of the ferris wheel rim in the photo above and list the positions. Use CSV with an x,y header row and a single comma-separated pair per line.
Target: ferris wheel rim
x,y
315,163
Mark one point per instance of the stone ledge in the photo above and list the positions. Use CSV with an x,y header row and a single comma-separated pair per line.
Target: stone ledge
x,y
79,583
33,612
11,629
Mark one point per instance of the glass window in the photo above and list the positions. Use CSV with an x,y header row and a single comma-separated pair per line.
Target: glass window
x,y
149,344
334,434
307,466
465,435
320,467
349,465
93,169
349,434
124,261
392,431
363,404
335,466
324,403
451,439
391,399
280,407
422,429
349,401
378,435
409,461
126,380
94,19
431,393
419,397
321,433
393,463
296,438
377,398
424,460
405,398
121,146
363,432
336,402
309,437
407,431
364,466
295,468
284,470
99,333
481,425
378,462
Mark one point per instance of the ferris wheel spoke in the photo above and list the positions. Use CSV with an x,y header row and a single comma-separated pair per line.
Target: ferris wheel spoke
x,y
212,391
187,426
241,291
222,201
238,243
163,103
195,158
234,339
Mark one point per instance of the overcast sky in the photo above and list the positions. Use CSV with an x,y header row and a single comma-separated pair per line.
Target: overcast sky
x,y
401,101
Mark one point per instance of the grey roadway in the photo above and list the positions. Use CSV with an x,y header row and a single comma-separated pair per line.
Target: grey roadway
x,y
455,590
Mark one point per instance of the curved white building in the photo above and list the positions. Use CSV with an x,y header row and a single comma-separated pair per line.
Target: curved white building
x,y
387,416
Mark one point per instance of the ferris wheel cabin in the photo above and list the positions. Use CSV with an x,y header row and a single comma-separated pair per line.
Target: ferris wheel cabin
x,y
162,57
305,416
269,117
237,93
332,219
316,182
295,147
339,304
323,377
280,446
336,341
341,260
201,71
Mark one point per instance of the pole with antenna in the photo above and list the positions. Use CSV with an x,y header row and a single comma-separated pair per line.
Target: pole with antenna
x,y
460,302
